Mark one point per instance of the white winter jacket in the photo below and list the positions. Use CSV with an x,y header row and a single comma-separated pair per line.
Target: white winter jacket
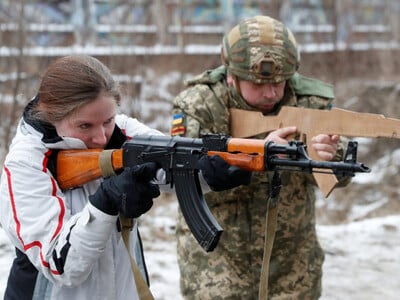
x,y
77,249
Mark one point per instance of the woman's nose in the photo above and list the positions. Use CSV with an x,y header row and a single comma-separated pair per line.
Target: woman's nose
x,y
99,137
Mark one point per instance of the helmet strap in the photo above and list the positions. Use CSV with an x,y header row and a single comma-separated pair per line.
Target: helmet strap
x,y
237,85
235,91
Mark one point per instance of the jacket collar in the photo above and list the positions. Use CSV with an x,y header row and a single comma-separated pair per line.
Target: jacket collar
x,y
48,131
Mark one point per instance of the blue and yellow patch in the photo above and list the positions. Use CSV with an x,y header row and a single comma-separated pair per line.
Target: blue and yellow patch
x,y
178,125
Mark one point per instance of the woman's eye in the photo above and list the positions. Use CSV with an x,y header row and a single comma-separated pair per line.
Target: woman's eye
x,y
84,126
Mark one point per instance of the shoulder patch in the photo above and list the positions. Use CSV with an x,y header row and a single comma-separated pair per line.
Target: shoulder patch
x,y
178,125
306,86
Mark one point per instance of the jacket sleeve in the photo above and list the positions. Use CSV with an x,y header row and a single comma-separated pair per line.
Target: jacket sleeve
x,y
37,219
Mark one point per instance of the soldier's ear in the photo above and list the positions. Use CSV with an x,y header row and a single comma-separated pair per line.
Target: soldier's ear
x,y
229,79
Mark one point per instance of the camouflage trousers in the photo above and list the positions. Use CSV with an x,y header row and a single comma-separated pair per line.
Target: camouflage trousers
x,y
232,270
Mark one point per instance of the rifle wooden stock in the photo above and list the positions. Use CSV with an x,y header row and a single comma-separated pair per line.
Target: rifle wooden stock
x,y
77,167
311,122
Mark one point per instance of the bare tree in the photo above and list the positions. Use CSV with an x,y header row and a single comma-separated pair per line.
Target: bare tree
x,y
9,127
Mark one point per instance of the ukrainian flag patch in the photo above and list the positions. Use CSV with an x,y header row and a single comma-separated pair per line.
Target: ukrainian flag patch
x,y
178,125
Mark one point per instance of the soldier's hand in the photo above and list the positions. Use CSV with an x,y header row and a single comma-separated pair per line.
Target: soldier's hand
x,y
220,176
281,135
325,145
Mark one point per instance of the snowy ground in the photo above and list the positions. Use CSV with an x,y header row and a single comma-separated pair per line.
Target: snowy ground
x,y
362,258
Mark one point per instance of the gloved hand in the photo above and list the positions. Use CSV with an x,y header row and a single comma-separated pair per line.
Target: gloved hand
x,y
221,176
131,193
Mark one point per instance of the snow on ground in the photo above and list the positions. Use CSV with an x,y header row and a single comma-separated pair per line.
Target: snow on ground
x,y
362,258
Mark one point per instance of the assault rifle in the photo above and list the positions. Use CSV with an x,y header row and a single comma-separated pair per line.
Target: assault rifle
x,y
310,122
179,156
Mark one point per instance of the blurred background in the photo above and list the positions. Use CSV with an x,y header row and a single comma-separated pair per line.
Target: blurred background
x,y
153,45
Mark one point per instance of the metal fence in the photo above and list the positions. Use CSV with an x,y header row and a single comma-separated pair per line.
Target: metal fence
x,y
155,26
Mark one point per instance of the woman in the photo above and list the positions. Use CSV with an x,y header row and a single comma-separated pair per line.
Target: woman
x,y
68,243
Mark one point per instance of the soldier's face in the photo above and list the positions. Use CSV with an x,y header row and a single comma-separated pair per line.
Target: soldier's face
x,y
261,96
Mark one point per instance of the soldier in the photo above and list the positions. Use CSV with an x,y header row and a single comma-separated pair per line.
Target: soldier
x,y
259,73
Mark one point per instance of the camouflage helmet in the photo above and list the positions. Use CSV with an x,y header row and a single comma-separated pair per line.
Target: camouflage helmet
x,y
260,49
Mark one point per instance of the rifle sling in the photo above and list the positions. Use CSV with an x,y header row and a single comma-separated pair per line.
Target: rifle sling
x,y
270,230
105,163
141,285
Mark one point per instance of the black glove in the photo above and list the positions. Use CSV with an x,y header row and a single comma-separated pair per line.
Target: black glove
x,y
220,176
131,193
